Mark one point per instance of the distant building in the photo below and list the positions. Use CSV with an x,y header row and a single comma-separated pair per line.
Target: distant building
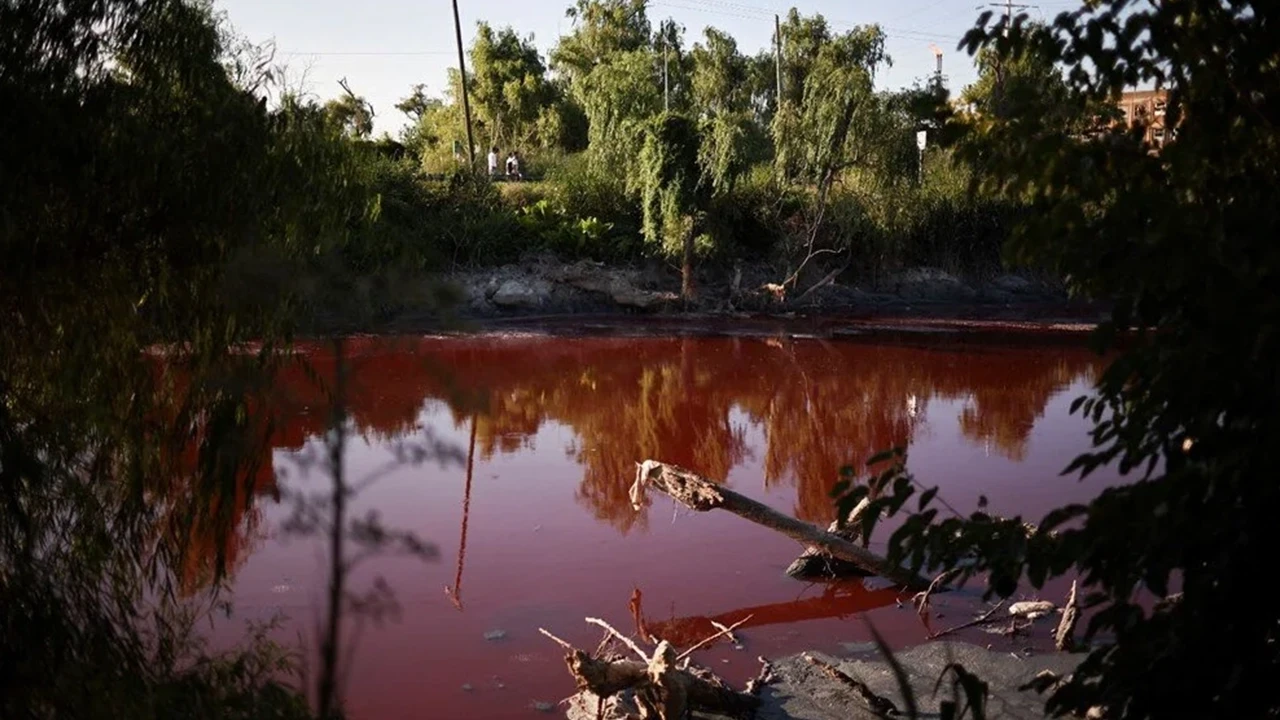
x,y
1147,108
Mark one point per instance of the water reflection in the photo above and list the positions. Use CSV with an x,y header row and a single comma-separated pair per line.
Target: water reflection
x,y
820,404
838,600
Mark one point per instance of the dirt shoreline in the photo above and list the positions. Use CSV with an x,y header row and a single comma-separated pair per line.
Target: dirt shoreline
x,y
544,295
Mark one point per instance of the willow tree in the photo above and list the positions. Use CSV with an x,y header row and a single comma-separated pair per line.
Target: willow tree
x,y
619,96
602,29
838,122
509,84
672,193
152,195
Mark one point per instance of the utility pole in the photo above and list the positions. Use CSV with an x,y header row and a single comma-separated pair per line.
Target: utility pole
x,y
466,102
777,54
666,84
1009,6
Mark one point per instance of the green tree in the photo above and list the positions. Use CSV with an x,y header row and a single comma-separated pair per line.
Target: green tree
x,y
509,85
602,29
417,103
1025,80
803,39
828,127
152,198
619,96
720,75
351,112
671,190
1182,242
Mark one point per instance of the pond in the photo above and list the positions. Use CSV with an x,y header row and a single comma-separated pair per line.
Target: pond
x,y
530,513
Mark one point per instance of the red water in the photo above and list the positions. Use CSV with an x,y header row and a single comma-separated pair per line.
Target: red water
x,y
555,426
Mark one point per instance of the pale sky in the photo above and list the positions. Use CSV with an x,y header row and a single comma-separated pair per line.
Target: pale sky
x,y
384,47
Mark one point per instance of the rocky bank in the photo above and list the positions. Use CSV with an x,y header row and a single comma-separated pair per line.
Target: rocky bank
x,y
545,286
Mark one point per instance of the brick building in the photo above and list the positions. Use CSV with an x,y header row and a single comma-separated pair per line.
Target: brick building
x,y
1146,108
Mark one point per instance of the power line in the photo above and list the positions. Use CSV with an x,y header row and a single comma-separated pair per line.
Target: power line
x,y
374,53
900,33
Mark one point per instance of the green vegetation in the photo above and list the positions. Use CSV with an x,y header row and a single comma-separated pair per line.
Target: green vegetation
x,y
846,190
238,219
1183,241
257,213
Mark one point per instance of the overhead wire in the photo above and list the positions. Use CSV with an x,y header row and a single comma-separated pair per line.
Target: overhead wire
x,y
750,12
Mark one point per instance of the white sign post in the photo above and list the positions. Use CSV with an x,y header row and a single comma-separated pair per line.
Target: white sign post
x,y
921,139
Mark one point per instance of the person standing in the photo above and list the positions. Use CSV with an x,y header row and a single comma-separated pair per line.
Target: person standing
x,y
493,161
515,165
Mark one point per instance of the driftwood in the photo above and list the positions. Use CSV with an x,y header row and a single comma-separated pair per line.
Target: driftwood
x,y
699,494
1064,636
881,706
816,563
661,689
983,618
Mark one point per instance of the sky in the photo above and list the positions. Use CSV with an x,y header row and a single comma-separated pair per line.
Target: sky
x,y
384,47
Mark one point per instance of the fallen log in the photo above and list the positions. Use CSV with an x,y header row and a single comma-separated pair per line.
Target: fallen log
x,y
701,495
815,563
660,688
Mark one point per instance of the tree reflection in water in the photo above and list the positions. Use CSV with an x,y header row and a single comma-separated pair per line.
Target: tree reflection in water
x,y
820,404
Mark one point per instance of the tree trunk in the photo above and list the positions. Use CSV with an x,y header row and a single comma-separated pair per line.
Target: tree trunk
x,y
686,269
699,494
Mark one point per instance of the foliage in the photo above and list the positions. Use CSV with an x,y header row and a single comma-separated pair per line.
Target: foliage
x,y
720,75
566,235
602,29
812,134
1182,242
117,237
510,87
583,191
619,96
352,113
671,189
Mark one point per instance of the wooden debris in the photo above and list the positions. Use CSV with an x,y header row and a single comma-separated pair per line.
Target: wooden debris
x,y
661,689
815,562
879,705
1064,637
983,618
726,631
701,495
766,676
625,640
1044,681
921,599
1032,609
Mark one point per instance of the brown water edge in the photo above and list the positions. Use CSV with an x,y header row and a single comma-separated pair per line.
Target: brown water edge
x,y
544,534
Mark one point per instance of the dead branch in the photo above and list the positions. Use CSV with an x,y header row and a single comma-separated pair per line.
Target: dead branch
x,y
562,643
879,705
662,691
1064,636
766,676
727,631
701,495
921,599
625,640
826,280
984,618
814,562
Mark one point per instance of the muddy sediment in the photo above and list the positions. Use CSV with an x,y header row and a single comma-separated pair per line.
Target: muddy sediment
x,y
545,287
861,685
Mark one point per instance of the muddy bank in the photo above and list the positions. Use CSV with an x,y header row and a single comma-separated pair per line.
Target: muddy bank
x,y
803,691
804,686
542,286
